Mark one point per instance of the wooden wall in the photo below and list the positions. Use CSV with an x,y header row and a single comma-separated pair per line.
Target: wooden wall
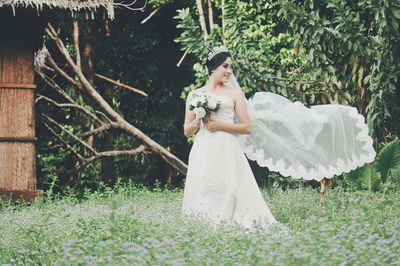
x,y
19,36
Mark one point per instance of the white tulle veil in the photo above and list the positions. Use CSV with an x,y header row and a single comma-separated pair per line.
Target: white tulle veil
x,y
300,142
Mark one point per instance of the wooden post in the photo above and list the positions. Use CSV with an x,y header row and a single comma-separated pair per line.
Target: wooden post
x,y
18,41
325,183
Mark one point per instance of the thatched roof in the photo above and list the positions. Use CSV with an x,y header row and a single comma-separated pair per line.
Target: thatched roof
x,y
72,5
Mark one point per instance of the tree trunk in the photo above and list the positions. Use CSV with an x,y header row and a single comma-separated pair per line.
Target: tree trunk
x,y
113,117
202,19
88,71
210,15
108,169
325,183
223,21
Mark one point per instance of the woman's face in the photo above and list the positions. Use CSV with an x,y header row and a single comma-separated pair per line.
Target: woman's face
x,y
224,71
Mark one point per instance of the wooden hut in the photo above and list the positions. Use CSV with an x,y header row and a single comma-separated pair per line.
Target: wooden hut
x,y
21,29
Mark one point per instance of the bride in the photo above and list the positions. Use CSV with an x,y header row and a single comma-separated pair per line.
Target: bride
x,y
286,137
220,184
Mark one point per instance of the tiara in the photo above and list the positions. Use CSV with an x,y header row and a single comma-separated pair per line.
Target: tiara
x,y
216,50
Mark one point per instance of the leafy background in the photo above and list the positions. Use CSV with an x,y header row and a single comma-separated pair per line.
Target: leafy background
x,y
323,52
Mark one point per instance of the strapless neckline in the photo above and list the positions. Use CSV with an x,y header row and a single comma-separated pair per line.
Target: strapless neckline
x,y
219,95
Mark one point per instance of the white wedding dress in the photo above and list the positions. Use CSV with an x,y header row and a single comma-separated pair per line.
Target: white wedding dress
x,y
287,137
220,184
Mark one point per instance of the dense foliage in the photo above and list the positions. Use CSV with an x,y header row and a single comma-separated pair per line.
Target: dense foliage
x,y
137,226
261,49
316,52
353,48
331,51
327,52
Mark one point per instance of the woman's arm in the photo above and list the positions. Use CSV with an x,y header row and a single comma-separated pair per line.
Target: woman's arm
x,y
243,127
191,125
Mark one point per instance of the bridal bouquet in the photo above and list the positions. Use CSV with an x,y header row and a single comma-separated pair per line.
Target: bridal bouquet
x,y
204,103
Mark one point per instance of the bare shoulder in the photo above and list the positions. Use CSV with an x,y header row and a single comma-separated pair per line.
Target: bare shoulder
x,y
190,94
236,94
197,90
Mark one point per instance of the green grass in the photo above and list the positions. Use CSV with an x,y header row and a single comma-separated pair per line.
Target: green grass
x,y
137,226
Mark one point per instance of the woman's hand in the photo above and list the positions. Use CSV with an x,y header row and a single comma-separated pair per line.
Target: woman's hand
x,y
212,125
206,118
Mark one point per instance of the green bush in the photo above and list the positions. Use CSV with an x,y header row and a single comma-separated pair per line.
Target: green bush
x,y
384,170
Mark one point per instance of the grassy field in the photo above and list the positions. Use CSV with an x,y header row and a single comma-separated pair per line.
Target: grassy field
x,y
137,226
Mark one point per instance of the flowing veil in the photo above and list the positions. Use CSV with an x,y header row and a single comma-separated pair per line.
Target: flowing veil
x,y
300,142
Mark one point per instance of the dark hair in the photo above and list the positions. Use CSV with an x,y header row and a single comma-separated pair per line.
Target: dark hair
x,y
216,61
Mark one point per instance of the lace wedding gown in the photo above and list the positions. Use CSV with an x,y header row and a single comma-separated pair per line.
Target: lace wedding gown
x,y
220,184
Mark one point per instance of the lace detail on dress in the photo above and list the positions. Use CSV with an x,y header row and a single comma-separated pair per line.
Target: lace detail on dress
x,y
226,113
310,143
217,184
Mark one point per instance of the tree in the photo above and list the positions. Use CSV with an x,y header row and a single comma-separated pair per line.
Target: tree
x,y
118,53
353,48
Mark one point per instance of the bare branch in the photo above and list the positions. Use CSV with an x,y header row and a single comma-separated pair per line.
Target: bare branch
x,y
150,16
128,6
77,106
61,72
63,142
38,99
123,124
55,86
49,81
70,133
182,58
165,154
51,30
86,84
121,84
104,116
60,45
95,131
99,155
125,5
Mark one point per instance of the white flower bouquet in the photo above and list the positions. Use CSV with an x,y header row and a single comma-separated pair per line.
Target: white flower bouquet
x,y
203,104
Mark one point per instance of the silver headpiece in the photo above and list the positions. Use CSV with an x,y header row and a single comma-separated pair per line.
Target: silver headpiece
x,y
216,50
